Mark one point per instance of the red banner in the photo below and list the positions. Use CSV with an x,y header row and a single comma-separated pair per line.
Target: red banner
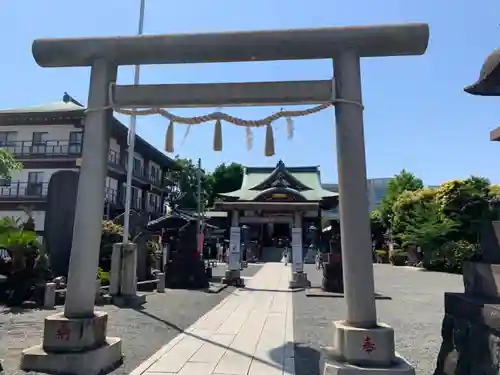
x,y
201,238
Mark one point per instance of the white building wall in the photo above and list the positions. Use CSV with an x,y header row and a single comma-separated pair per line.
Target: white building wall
x,y
47,173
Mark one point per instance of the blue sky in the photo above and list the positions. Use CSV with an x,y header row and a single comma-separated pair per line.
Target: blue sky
x,y
417,116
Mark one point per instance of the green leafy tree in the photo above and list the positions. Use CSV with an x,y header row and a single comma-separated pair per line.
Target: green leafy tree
x,y
427,228
187,181
468,202
8,164
377,228
404,181
225,178
406,208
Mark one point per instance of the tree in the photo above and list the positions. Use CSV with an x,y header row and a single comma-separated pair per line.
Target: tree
x,y
404,181
225,178
468,202
427,228
187,179
8,164
377,228
406,208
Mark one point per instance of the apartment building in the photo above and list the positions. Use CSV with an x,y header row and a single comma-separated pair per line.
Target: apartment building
x,y
376,190
49,138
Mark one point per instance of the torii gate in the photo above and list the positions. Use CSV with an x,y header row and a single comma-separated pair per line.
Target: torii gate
x,y
345,45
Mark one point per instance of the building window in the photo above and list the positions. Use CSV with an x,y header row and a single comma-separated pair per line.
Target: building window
x,y
39,142
75,142
136,198
155,173
35,184
8,140
137,166
151,202
5,182
39,138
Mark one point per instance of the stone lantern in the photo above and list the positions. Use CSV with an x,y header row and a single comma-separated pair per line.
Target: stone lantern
x,y
462,332
488,83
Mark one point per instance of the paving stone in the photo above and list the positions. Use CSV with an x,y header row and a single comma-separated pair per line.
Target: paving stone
x,y
244,334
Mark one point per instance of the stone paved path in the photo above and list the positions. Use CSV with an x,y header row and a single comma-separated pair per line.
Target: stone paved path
x,y
250,332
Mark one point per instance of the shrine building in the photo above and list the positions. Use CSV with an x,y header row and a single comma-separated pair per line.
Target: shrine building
x,y
272,201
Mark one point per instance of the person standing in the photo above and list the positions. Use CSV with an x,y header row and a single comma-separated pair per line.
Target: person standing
x,y
319,260
285,255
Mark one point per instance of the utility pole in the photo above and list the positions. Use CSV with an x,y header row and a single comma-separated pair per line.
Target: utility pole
x,y
131,141
199,207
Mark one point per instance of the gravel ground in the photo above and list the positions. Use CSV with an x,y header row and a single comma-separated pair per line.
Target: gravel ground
x,y
143,331
415,312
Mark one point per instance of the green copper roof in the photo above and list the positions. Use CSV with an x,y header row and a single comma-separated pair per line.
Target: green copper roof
x,y
309,177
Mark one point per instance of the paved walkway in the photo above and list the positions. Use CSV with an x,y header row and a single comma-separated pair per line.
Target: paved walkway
x,y
248,333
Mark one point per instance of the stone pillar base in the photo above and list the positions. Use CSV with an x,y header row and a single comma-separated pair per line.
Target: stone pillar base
x,y
74,346
299,280
332,366
363,350
134,300
232,277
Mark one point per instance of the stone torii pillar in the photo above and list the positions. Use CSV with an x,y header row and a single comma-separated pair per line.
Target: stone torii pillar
x,y
360,344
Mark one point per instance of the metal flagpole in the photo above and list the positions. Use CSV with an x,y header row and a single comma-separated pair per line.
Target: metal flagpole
x,y
131,141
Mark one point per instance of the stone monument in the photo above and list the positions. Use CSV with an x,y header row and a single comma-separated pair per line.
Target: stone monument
x,y
232,274
332,270
299,277
184,267
346,46
471,325
59,219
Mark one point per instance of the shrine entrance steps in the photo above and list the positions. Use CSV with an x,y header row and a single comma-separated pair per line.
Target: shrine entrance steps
x,y
271,254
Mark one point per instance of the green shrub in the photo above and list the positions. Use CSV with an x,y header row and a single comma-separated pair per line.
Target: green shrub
x,y
450,256
397,257
103,276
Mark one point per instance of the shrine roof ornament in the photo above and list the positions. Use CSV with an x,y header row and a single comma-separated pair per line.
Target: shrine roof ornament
x,y
281,177
302,182
488,83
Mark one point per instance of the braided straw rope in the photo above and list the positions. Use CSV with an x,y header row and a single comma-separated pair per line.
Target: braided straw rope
x,y
196,120
221,116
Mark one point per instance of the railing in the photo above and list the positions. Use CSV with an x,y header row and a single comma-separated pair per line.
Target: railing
x,y
45,149
24,190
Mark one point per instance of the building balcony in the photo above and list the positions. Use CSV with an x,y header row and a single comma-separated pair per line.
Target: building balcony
x,y
139,173
24,191
29,150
